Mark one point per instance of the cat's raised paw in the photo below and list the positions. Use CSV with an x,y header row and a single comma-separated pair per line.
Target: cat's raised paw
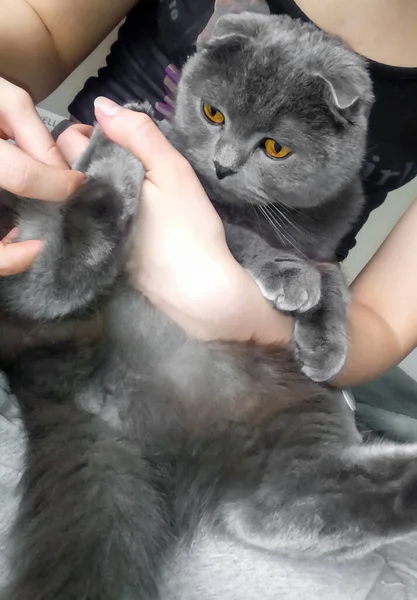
x,y
320,352
291,286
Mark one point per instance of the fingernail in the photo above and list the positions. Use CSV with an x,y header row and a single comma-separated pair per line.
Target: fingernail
x,y
106,107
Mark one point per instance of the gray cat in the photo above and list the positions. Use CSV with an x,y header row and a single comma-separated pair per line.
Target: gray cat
x,y
139,438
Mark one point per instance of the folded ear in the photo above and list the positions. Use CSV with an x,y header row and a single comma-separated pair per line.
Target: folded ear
x,y
347,92
233,18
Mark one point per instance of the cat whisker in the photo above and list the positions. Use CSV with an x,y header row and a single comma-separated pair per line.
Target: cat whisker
x,y
304,214
266,216
274,209
285,213
277,226
253,208
278,216
288,236
285,210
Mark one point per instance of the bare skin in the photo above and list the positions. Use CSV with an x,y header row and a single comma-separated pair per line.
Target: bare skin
x,y
42,42
382,30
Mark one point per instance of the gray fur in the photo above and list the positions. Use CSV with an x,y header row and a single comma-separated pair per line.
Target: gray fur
x,y
139,437
273,77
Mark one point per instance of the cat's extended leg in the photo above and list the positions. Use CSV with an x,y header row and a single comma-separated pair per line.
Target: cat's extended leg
x,y
341,506
86,239
320,336
316,294
91,524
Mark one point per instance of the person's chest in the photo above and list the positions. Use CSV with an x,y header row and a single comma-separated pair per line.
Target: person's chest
x,y
180,22
391,159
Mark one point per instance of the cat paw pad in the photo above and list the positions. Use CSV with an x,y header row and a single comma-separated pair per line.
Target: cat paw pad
x,y
290,288
321,354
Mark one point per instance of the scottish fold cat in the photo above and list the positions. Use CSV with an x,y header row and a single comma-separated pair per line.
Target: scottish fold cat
x,y
139,438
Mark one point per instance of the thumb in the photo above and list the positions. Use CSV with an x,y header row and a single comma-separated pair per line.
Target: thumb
x,y
137,133
17,257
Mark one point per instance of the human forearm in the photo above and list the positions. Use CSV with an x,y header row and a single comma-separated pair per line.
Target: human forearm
x,y
383,315
373,347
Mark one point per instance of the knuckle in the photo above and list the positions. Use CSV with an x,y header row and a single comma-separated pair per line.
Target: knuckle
x,y
14,98
183,168
20,97
144,118
143,122
23,180
178,172
137,126
143,125
15,101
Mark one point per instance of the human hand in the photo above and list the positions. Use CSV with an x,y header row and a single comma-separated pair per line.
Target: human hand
x,y
33,167
180,259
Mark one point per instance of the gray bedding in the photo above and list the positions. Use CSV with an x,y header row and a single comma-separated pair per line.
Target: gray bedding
x,y
390,574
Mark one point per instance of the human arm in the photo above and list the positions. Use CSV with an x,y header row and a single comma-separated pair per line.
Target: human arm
x,y
383,314
43,41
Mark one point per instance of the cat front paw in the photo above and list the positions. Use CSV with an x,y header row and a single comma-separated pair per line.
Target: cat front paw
x,y
321,351
291,286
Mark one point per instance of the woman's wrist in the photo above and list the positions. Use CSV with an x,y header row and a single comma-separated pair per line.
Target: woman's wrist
x,y
221,302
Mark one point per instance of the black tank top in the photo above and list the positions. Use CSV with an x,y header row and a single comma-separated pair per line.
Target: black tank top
x,y
157,34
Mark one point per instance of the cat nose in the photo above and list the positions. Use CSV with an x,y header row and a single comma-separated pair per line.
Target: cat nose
x,y
222,171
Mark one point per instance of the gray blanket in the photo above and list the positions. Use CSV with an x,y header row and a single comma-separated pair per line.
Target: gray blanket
x,y
12,443
200,573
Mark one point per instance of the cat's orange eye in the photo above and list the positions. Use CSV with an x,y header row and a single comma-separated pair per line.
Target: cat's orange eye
x,y
213,115
275,150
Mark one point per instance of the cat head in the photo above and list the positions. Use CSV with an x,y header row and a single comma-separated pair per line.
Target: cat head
x,y
271,109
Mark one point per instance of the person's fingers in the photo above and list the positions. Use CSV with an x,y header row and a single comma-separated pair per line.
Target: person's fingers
x,y
73,141
20,121
137,133
25,176
17,257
